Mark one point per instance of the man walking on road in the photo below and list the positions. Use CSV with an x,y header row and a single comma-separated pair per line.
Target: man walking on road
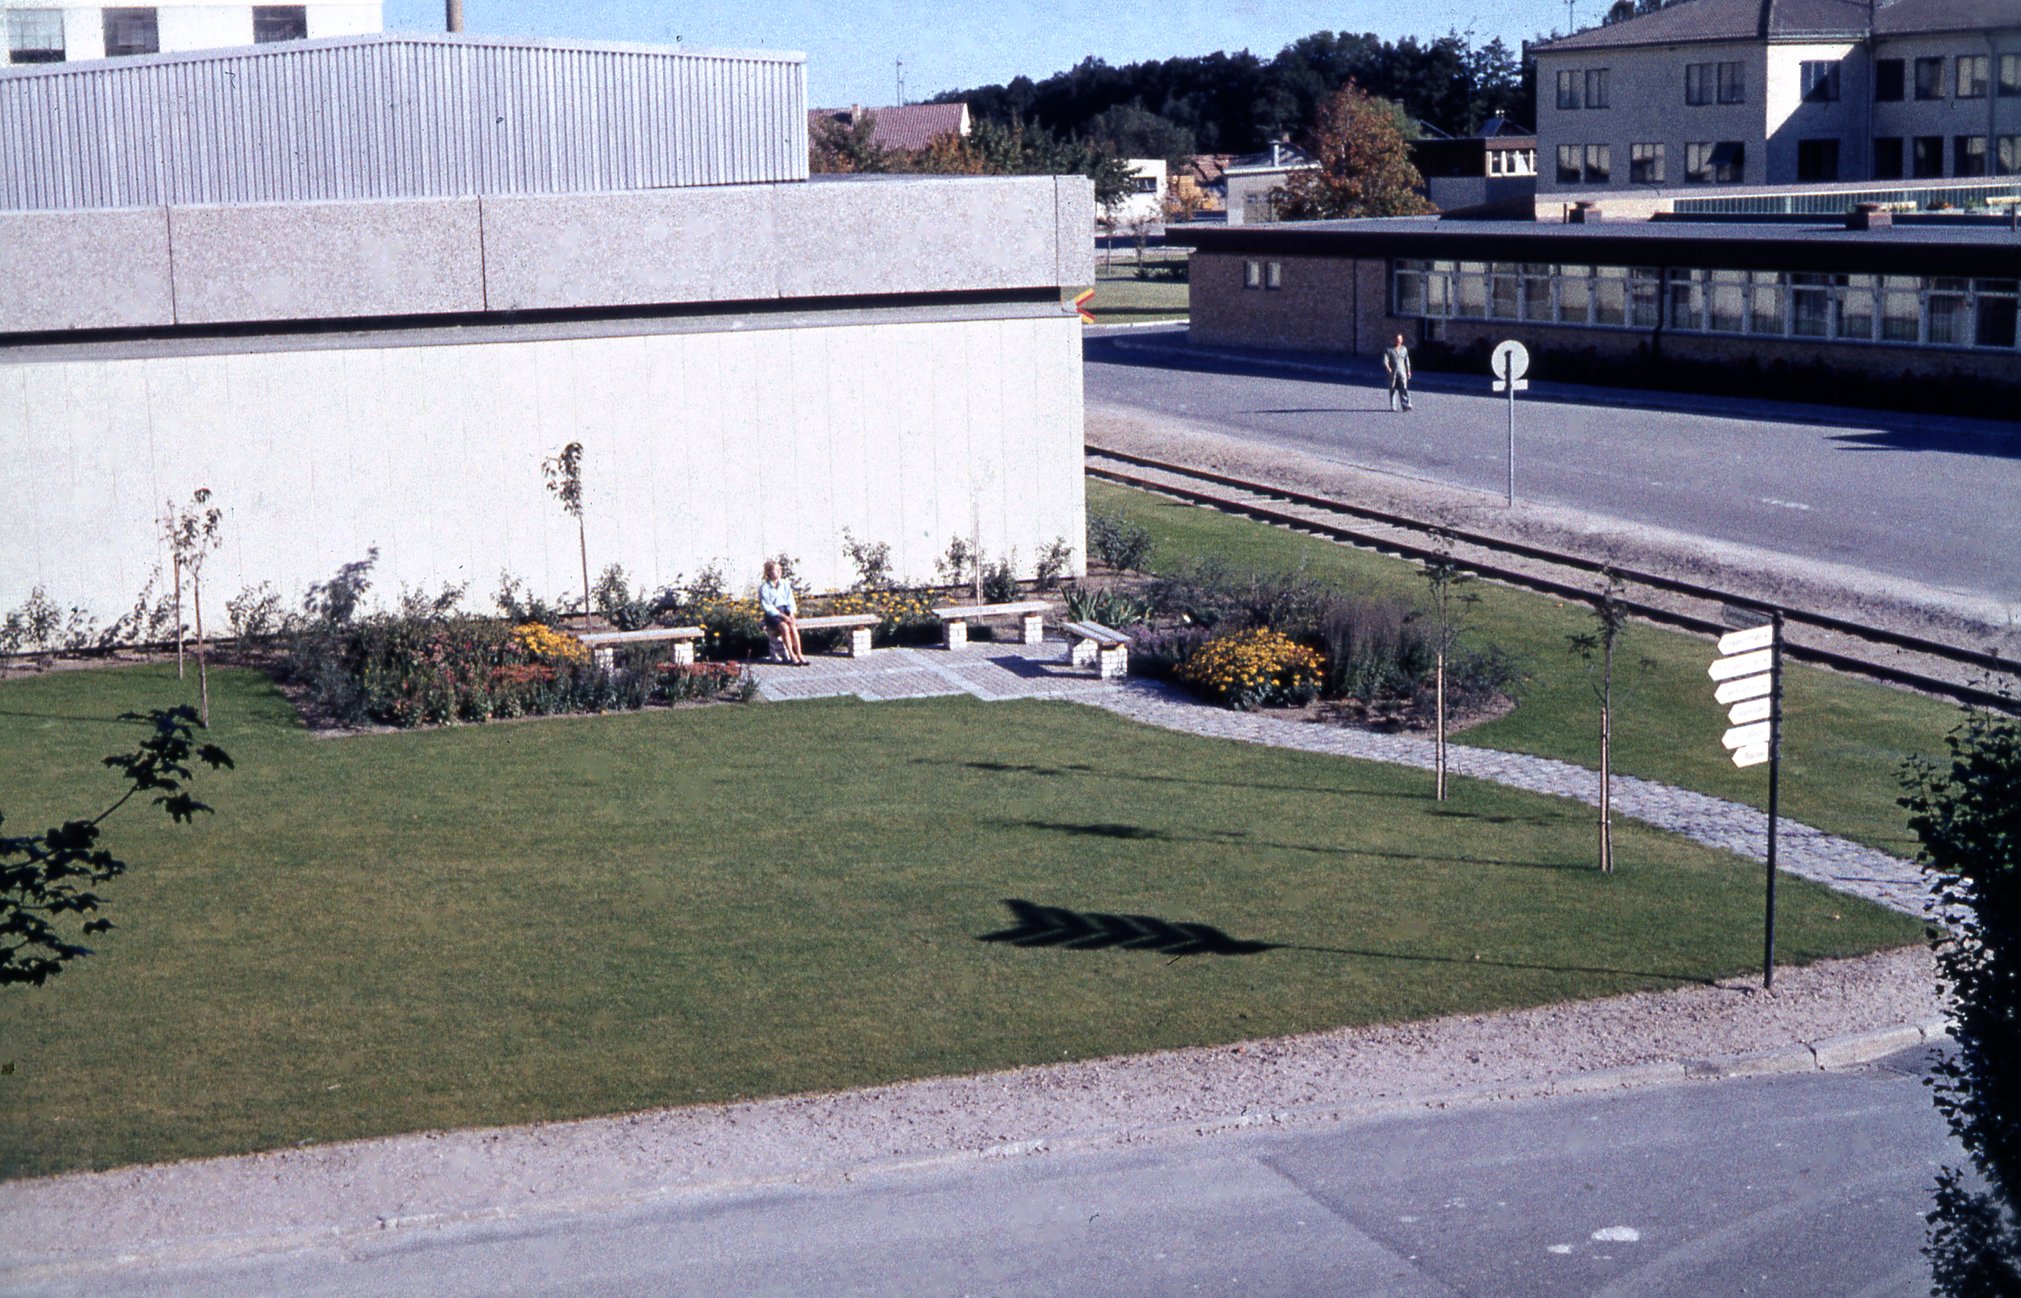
x,y
1397,361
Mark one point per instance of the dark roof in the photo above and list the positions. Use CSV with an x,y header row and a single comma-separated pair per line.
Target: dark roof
x,y
1692,21
1982,250
910,127
1907,17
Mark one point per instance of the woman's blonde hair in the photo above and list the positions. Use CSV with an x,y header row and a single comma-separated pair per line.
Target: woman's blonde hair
x,y
771,570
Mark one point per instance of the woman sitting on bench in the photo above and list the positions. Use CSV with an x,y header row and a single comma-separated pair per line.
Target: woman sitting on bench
x,y
782,615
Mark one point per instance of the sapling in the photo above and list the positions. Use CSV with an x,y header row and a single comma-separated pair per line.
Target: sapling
x,y
1449,607
1610,619
564,478
192,534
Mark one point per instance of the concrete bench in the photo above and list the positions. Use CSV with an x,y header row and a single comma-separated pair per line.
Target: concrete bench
x,y
954,620
1107,650
603,645
858,624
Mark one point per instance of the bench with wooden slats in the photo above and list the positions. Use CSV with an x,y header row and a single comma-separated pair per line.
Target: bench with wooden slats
x,y
858,625
1106,649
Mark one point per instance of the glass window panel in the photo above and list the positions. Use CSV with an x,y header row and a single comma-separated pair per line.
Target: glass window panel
x,y
1596,87
34,35
1726,302
1901,308
1610,296
1470,293
1438,295
1732,90
130,31
1645,297
1568,90
1599,163
1973,73
1764,314
1950,323
1575,293
280,23
1698,83
1410,293
1996,319
1687,301
1568,164
1537,295
1930,78
1506,285
1856,308
1810,306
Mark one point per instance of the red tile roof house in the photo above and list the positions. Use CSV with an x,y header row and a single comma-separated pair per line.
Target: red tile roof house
x,y
910,127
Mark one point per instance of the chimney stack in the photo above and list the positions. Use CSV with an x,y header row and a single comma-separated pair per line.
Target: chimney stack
x,y
1584,212
1870,216
454,14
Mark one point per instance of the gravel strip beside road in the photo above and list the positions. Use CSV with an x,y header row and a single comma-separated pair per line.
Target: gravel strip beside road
x,y
323,1195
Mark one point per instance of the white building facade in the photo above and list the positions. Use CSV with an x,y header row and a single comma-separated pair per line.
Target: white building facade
x,y
1773,92
49,31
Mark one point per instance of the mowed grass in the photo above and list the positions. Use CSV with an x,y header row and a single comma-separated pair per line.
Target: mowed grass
x,y
580,916
1844,739
1123,298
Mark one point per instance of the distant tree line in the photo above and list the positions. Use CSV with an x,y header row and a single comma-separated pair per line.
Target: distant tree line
x,y
1239,103
990,149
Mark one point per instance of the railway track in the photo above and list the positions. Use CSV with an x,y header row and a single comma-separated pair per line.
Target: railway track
x,y
1916,662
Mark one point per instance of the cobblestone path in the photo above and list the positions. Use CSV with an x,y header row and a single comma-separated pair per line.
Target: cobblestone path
x,y
998,671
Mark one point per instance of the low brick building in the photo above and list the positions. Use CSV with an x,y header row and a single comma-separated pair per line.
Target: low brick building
x,y
1925,303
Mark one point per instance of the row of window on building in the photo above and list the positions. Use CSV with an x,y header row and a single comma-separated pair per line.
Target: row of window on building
x,y
1973,77
1909,310
1721,163
36,35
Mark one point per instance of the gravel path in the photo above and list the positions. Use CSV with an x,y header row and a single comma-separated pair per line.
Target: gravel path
x,y
1824,1015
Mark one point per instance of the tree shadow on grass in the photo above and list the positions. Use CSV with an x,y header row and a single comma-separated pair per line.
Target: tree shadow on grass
x,y
1110,773
1242,838
67,716
1036,925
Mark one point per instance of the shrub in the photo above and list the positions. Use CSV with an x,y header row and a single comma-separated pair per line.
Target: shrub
x,y
1055,561
1000,582
1254,668
872,562
1110,608
41,625
735,628
1374,648
1158,652
255,612
957,566
620,606
1118,542
677,683
906,617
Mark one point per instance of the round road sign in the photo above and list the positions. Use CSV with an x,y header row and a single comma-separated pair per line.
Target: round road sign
x,y
1510,361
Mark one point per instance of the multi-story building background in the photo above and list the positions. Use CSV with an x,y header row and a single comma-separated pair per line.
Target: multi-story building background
x,y
52,31
1771,92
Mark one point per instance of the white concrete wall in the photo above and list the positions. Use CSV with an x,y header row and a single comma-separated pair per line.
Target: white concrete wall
x,y
718,447
199,24
1791,119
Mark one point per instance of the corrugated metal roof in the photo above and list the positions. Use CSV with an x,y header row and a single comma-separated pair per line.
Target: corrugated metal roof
x,y
396,117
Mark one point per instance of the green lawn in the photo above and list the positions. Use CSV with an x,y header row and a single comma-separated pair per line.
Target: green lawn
x,y
1122,298
1844,739
593,915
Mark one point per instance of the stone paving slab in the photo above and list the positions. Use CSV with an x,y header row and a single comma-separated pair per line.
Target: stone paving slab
x,y
994,672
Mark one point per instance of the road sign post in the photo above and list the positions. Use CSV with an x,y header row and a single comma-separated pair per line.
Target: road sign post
x,y
1749,673
1509,364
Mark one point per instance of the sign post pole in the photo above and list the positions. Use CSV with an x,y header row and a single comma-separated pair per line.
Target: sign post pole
x,y
1509,364
1774,773
1749,672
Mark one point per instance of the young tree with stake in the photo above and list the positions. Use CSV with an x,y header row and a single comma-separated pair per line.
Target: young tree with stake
x,y
564,478
192,534
1449,607
1610,618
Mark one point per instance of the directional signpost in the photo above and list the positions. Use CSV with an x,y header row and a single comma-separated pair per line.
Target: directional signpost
x,y
1509,364
1749,672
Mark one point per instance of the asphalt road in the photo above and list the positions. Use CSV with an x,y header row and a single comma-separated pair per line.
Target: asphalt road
x,y
1799,1185
1933,500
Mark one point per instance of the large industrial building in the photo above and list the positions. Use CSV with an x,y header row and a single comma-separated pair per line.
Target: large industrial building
x,y
66,31
360,287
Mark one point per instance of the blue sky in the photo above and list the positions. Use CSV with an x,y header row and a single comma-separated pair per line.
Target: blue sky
x,y
851,44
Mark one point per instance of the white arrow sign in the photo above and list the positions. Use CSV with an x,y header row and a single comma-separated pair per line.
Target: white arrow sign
x,y
1747,664
1752,755
1740,642
1746,736
1747,687
1750,710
